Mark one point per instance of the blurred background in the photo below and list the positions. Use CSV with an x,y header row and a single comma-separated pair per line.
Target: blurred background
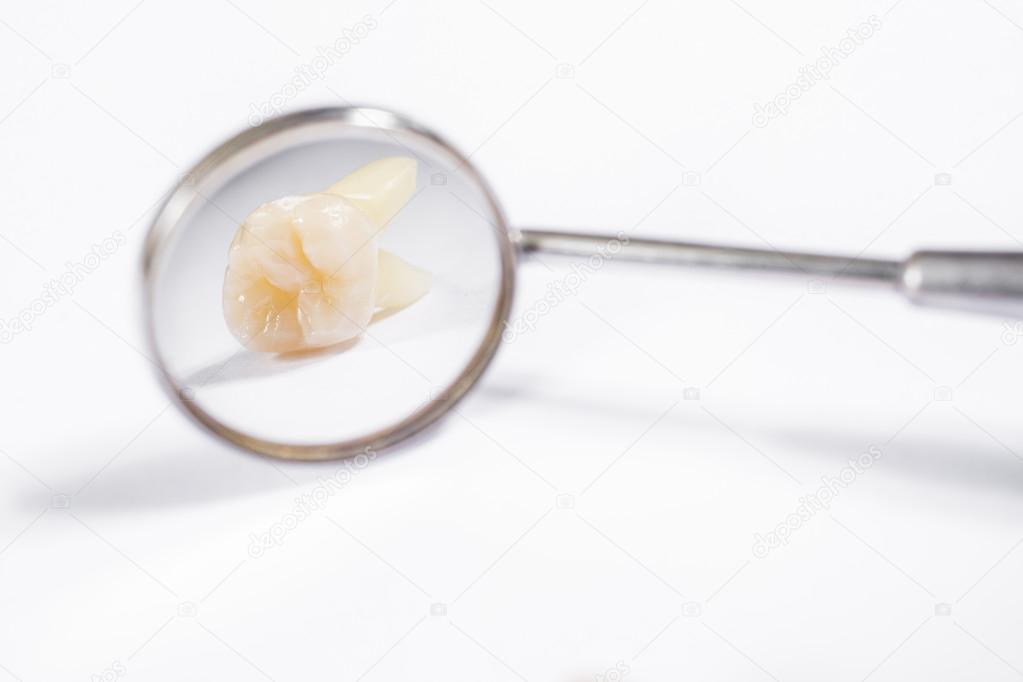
x,y
666,474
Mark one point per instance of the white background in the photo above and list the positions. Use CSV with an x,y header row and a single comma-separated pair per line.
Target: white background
x,y
125,531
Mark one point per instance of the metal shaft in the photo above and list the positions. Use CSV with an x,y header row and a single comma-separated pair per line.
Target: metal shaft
x,y
712,256
990,282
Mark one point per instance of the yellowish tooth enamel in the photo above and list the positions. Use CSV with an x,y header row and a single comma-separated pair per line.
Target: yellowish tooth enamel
x,y
302,273
305,271
380,188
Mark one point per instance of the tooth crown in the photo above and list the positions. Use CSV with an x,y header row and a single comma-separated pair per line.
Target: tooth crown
x,y
305,271
302,273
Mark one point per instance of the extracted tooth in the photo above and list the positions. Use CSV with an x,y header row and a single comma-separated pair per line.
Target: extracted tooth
x,y
305,271
302,273
380,188
399,284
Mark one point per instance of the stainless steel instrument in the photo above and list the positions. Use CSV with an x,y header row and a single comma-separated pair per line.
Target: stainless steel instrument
x,y
989,282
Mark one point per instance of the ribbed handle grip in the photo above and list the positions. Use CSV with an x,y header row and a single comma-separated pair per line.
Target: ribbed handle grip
x,y
990,282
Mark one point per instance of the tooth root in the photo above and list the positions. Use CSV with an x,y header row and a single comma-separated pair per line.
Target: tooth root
x,y
399,284
380,188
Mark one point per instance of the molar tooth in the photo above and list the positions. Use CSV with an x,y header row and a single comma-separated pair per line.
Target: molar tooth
x,y
305,279
305,271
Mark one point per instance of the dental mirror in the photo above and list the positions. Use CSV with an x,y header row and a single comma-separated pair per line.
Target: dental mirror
x,y
332,281
356,371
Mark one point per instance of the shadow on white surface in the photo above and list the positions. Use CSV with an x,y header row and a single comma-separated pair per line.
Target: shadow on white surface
x,y
954,462
162,479
944,460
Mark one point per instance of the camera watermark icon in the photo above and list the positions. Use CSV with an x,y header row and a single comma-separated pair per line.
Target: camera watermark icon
x,y
438,179
187,394
943,609
438,610
817,287
691,393
60,71
942,179
564,501
943,394
691,179
564,71
188,609
60,501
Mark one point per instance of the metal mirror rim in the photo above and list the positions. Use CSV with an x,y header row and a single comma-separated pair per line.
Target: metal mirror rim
x,y
167,220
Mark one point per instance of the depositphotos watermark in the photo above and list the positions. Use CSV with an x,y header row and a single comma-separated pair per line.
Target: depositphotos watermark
x,y
114,671
819,500
309,503
617,673
327,56
60,287
561,289
1012,332
815,72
